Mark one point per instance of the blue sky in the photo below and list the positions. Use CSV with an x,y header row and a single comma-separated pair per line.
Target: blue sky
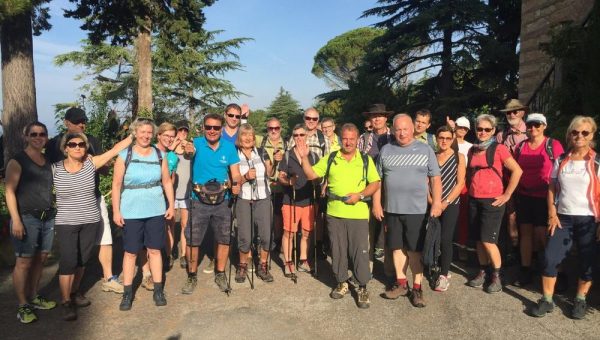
x,y
287,34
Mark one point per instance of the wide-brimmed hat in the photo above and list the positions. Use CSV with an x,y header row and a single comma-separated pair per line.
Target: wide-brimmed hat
x,y
514,105
377,109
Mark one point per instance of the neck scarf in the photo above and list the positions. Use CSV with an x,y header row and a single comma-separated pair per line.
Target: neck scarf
x,y
484,145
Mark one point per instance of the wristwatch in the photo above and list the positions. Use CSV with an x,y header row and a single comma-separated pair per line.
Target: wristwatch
x,y
362,197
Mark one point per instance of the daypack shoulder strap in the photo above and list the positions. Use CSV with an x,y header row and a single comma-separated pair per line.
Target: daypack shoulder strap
x,y
365,159
321,138
550,148
519,149
330,160
490,153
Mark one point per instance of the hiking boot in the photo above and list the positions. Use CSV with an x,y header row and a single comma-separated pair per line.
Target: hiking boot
x,y
159,298
579,309
442,284
321,251
495,285
25,314
190,285
171,261
339,291
69,311
542,308
562,283
112,285
477,281
79,300
304,267
241,272
40,302
210,267
148,283
524,278
288,269
363,298
221,281
263,273
378,253
183,262
395,292
416,298
126,301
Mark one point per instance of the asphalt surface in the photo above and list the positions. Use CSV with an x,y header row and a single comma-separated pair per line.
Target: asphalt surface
x,y
304,310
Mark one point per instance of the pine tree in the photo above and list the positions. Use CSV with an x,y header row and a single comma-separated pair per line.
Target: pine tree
x,y
285,108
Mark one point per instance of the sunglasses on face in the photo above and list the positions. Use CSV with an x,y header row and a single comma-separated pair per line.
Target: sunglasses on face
x,y
576,133
73,145
514,113
299,134
314,119
273,128
212,127
38,134
488,130
533,124
231,115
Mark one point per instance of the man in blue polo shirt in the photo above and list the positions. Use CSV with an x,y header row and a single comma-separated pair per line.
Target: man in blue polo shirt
x,y
214,159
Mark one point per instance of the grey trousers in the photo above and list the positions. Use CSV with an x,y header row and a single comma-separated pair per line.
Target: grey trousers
x,y
262,213
349,238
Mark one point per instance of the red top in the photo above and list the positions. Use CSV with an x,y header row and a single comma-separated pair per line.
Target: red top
x,y
485,183
537,166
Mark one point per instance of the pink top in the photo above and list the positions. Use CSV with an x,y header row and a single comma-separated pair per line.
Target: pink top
x,y
537,166
486,183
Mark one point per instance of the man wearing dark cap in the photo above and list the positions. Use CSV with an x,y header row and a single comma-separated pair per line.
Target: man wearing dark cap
x,y
75,122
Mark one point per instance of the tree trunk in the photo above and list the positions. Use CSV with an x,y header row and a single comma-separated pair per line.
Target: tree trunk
x,y
144,58
18,80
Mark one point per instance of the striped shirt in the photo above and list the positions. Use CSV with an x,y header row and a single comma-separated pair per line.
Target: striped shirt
x,y
260,188
449,171
76,199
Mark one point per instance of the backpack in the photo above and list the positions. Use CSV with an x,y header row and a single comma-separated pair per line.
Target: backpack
x,y
490,152
130,154
331,160
430,141
596,161
549,149
263,143
321,138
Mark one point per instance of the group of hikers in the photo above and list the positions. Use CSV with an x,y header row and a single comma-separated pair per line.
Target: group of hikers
x,y
355,197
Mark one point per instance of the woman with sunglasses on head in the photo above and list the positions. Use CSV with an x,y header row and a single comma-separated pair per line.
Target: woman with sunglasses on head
x,y
573,215
487,199
253,208
78,217
31,207
297,207
536,157
452,167
142,199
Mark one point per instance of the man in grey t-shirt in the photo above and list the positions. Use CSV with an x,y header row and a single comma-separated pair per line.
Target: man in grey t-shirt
x,y
405,167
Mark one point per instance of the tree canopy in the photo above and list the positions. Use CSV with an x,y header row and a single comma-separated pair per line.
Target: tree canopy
x,y
285,108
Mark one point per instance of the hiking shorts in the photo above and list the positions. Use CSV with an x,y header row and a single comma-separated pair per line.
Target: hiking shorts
x,y
405,231
38,237
144,232
532,210
203,216
485,220
182,203
76,244
304,216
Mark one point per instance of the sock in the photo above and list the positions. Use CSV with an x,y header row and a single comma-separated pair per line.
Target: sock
x,y
128,289
158,286
114,278
496,271
580,297
548,298
416,286
219,271
192,275
402,282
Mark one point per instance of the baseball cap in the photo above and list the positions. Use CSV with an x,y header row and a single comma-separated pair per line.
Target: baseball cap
x,y
536,117
76,115
183,124
463,122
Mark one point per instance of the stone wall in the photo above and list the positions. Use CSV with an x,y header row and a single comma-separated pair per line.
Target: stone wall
x,y
537,19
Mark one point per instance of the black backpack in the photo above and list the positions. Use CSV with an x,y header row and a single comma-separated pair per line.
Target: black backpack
x,y
128,159
365,159
549,149
490,152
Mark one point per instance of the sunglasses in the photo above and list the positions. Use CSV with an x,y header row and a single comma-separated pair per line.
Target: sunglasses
x,y
38,134
73,145
576,133
514,113
488,130
212,127
368,128
314,119
533,124
273,128
231,115
299,134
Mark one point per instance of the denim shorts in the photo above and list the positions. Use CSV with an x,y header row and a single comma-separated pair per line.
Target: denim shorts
x,y
38,237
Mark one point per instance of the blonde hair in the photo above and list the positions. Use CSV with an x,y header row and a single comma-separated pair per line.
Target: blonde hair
x,y
577,121
68,136
244,128
139,122
166,126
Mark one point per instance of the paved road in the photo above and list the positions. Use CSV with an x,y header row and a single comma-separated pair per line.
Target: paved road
x,y
304,310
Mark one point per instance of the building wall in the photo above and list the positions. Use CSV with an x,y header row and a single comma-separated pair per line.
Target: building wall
x,y
538,17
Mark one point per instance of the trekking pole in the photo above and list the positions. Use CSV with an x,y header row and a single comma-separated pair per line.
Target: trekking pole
x,y
231,235
293,256
315,212
252,244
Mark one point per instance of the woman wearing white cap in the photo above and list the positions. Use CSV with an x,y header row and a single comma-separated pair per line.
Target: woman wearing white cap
x,y
462,127
536,156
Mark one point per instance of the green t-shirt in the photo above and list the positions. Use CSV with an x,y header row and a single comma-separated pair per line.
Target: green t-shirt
x,y
346,177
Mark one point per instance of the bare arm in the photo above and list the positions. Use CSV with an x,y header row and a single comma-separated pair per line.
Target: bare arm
x,y
553,221
168,188
235,177
436,193
306,167
377,207
102,159
117,185
461,172
13,176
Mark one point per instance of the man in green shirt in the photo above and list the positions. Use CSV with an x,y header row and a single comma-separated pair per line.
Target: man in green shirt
x,y
350,183
422,123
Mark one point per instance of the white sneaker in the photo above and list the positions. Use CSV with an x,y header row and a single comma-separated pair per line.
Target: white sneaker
x,y
442,284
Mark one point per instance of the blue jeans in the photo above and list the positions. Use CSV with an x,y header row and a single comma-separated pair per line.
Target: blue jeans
x,y
578,229
38,237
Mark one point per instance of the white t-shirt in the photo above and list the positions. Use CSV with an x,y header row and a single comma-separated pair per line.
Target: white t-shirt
x,y
260,189
574,181
464,147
